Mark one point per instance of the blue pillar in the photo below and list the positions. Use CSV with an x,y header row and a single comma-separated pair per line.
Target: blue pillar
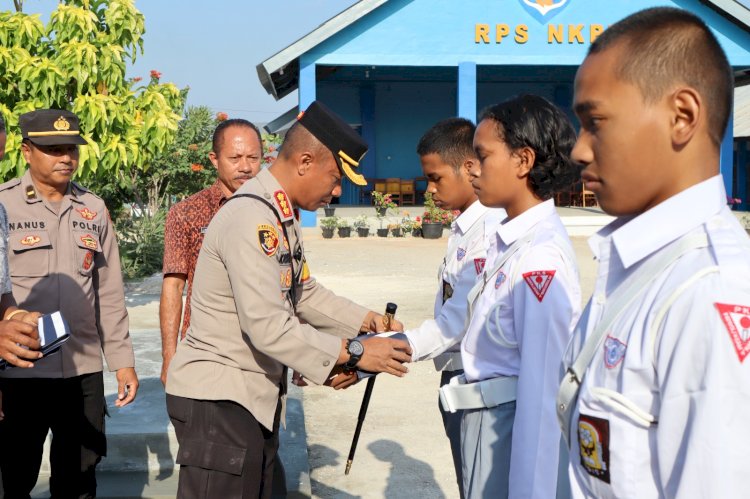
x,y
467,90
367,110
741,191
307,86
726,157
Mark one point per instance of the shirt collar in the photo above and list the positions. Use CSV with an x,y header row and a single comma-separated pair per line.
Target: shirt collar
x,y
510,230
469,217
216,194
31,193
636,237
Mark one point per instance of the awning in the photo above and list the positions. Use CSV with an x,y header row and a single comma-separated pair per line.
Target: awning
x,y
282,123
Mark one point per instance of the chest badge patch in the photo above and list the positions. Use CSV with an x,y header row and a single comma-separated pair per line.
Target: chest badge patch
x,y
88,260
593,443
539,281
30,240
500,279
479,264
614,351
460,254
89,241
86,214
736,319
268,239
286,278
283,203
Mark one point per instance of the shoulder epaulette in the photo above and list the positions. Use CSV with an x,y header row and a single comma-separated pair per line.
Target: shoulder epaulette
x,y
10,184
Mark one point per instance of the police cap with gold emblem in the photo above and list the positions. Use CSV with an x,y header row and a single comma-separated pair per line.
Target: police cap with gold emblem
x,y
51,127
334,133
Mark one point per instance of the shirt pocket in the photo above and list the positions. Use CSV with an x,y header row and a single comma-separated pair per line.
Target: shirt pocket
x,y
31,253
87,248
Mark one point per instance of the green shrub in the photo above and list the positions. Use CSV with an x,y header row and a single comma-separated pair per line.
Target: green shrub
x,y
141,243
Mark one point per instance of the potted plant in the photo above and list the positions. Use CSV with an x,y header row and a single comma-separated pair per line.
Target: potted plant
x,y
395,230
407,224
434,218
328,225
416,229
345,229
745,221
362,225
382,203
329,210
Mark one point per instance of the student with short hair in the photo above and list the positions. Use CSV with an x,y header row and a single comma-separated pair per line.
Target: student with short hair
x,y
655,401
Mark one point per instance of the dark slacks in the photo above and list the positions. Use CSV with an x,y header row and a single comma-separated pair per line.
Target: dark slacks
x,y
73,408
452,424
224,451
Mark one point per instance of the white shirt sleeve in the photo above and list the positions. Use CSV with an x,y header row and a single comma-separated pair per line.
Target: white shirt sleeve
x,y
543,329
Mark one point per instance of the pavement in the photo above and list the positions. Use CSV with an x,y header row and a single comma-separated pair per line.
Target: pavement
x,y
402,451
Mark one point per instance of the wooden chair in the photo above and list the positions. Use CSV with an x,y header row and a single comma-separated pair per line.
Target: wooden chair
x,y
393,187
408,192
378,184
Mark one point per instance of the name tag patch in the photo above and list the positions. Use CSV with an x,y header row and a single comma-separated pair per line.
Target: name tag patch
x,y
736,319
593,442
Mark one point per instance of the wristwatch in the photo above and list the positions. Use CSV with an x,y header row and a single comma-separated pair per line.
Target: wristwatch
x,y
355,348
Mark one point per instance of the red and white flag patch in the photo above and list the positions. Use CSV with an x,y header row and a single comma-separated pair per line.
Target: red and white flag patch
x,y
479,264
539,281
736,319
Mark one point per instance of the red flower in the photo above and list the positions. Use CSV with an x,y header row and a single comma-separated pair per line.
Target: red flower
x,y
418,219
137,79
155,74
196,167
193,147
221,116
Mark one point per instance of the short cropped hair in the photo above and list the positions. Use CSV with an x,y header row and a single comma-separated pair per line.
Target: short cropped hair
x,y
218,139
298,138
450,139
668,46
534,122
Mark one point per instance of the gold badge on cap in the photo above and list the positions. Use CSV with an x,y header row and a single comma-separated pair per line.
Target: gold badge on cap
x,y
61,124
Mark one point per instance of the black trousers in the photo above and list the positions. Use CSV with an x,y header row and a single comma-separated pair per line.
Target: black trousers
x,y
224,451
452,424
73,408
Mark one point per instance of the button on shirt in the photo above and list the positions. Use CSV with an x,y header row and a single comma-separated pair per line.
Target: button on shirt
x,y
664,406
520,326
464,261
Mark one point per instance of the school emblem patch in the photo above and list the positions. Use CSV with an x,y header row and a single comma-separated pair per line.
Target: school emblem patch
x,y
543,10
500,279
539,281
88,260
460,254
86,214
283,203
89,241
736,319
30,240
479,264
593,443
614,351
268,239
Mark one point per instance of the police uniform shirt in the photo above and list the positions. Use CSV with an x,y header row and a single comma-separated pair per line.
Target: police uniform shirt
x,y
5,286
67,259
464,261
244,328
520,326
664,406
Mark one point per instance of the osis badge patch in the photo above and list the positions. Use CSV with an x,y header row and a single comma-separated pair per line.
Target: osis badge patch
x,y
593,443
479,264
614,351
539,281
736,319
500,279
460,254
268,239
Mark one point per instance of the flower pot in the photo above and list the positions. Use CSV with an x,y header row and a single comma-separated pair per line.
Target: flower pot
x,y
327,232
396,232
382,232
329,211
345,231
432,230
381,211
363,231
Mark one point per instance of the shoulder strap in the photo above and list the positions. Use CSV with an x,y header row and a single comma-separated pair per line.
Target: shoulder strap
x,y
293,288
621,298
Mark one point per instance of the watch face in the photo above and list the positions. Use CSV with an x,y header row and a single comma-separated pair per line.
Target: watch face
x,y
356,348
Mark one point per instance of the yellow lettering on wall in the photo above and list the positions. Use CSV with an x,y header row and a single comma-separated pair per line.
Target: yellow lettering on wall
x,y
522,34
555,32
501,31
575,33
482,33
596,30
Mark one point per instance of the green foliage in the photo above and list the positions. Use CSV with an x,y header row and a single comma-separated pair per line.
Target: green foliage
x,y
77,62
329,222
361,222
433,214
141,242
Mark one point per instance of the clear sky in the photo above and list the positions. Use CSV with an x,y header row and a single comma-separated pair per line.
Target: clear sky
x,y
213,46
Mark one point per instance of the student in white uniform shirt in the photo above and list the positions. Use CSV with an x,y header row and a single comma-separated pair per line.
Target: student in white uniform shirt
x,y
447,156
523,307
663,408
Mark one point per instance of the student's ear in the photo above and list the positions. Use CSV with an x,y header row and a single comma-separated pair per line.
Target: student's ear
x,y
466,167
686,106
526,157
305,160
